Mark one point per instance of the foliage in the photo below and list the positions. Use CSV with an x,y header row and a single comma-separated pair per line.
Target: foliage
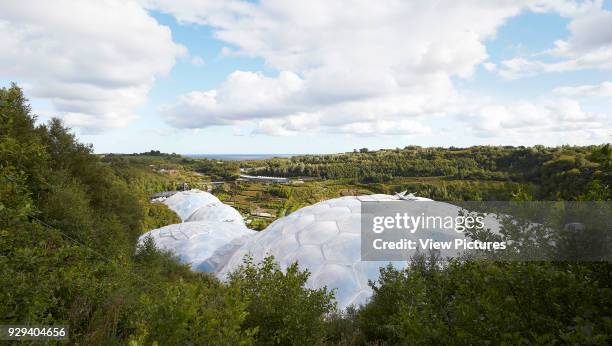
x,y
561,172
159,215
281,308
472,302
68,229
342,328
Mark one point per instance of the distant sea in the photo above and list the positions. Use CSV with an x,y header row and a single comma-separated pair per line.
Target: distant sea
x,y
237,157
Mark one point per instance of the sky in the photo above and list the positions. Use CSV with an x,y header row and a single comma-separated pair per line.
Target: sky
x,y
320,76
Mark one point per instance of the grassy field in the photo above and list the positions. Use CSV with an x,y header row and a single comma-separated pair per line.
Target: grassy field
x,y
262,203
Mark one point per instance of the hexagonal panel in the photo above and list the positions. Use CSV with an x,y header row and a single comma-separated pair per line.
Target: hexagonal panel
x,y
292,224
343,248
285,247
336,276
332,214
308,257
350,224
319,233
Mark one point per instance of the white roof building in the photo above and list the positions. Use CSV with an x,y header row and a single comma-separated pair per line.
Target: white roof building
x,y
216,212
196,242
185,203
324,238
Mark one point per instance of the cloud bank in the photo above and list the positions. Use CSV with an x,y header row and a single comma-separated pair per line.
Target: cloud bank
x,y
371,68
365,68
94,60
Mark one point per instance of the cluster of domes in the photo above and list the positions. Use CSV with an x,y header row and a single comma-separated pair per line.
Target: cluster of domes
x,y
324,238
208,226
197,241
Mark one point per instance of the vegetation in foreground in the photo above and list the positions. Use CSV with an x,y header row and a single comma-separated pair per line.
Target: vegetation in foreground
x,y
69,221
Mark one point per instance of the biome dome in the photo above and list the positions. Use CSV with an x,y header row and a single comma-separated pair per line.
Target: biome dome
x,y
216,212
209,227
185,203
195,242
325,238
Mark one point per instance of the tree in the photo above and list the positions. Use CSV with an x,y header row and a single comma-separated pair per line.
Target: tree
x,y
280,307
485,302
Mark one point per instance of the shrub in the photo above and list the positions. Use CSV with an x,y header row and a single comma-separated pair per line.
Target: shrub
x,y
280,307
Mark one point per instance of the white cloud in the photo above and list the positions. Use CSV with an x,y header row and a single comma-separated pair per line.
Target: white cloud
x,y
293,104
367,68
305,123
197,61
280,127
589,31
589,46
244,95
489,66
599,90
94,60
565,8
385,127
520,67
377,67
347,62
525,118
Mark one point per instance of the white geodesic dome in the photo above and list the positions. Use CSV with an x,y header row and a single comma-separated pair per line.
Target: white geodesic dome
x,y
184,203
216,212
325,238
195,242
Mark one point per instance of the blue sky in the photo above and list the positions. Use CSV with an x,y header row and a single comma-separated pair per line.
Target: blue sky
x,y
283,77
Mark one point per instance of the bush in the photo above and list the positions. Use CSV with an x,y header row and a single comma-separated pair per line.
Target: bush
x,y
467,302
282,310
68,230
159,215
